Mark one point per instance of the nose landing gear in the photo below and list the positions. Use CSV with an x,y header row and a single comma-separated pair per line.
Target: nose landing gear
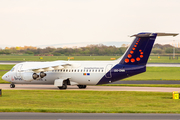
x,y
81,86
12,85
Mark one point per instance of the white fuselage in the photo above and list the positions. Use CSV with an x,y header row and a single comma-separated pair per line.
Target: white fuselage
x,y
81,73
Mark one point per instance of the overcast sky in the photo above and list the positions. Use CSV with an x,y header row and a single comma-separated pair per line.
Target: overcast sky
x,y
46,22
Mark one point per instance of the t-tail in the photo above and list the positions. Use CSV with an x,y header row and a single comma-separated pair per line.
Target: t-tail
x,y
135,58
140,49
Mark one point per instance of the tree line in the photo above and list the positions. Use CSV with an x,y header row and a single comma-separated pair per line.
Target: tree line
x,y
95,50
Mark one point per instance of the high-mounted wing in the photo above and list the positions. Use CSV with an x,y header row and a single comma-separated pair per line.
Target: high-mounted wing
x,y
47,66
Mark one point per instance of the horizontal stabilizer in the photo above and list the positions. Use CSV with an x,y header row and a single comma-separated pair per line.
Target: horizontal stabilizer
x,y
152,34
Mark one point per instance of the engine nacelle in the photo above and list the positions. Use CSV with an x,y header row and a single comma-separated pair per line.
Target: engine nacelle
x,y
42,74
29,76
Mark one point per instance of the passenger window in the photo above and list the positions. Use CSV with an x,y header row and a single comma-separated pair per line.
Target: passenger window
x,y
74,70
89,70
102,70
66,70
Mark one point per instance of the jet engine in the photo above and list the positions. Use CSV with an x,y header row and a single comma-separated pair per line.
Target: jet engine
x,y
29,76
42,74
35,76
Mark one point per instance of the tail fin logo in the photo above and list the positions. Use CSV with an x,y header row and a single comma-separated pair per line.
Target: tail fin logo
x,y
140,49
129,57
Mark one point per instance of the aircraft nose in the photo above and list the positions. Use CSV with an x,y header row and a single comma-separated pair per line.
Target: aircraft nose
x,y
5,76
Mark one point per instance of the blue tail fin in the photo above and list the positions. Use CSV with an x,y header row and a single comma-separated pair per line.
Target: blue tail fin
x,y
140,49
134,59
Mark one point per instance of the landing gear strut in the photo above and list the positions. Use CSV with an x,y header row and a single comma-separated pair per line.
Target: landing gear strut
x,y
12,85
81,86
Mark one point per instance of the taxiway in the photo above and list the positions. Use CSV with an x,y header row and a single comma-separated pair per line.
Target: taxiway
x,y
87,116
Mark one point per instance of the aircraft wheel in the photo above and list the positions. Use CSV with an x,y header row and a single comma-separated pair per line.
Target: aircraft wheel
x,y
12,85
63,87
82,86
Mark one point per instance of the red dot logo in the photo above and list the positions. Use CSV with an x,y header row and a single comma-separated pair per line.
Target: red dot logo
x,y
126,60
131,52
129,56
138,59
132,60
133,48
141,56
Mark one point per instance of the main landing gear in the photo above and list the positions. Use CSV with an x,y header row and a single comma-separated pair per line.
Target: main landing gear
x,y
63,87
81,86
12,85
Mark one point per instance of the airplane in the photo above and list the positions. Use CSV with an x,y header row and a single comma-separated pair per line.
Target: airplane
x,y
83,73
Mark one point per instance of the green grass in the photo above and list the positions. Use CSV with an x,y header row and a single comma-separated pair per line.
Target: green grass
x,y
163,59
53,58
87,102
152,59
158,73
5,67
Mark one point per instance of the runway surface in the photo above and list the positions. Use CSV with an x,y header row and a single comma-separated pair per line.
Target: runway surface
x,y
88,116
147,82
94,88
9,62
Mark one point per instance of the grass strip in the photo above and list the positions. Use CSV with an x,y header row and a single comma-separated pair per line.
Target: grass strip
x,y
158,73
152,59
87,101
5,67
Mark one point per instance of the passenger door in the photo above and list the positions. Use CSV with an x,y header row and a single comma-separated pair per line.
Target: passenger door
x,y
108,71
18,70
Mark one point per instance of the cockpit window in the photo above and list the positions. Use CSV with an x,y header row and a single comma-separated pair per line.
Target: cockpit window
x,y
12,69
